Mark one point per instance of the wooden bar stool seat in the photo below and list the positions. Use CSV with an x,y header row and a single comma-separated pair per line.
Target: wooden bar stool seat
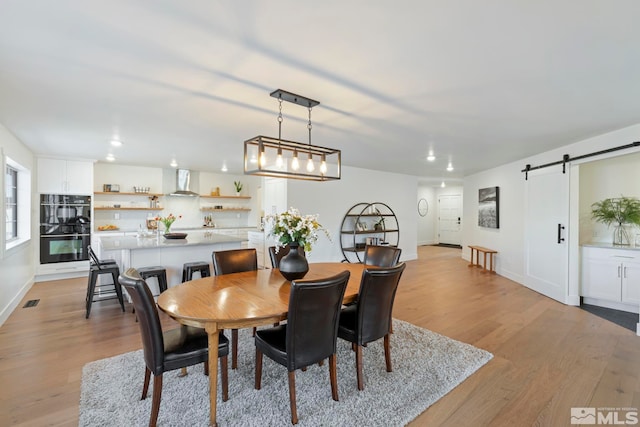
x,y
96,270
189,268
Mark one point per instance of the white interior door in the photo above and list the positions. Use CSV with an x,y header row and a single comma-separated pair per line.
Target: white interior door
x,y
449,219
546,232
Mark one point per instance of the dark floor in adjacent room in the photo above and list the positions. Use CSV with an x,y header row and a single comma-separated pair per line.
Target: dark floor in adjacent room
x,y
622,318
448,245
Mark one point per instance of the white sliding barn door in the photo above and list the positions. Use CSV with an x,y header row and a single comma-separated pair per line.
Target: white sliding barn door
x,y
546,232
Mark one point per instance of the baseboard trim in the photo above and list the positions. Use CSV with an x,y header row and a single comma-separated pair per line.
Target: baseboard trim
x,y
13,304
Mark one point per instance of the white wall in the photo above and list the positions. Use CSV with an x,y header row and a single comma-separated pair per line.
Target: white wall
x,y
508,240
163,181
251,186
602,179
427,225
331,200
17,266
127,177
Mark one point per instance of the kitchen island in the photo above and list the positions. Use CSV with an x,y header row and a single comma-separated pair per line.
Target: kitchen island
x,y
138,252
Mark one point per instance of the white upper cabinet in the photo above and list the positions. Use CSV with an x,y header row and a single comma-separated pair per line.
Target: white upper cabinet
x,y
56,176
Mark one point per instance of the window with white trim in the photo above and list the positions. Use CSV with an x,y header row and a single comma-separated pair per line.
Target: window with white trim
x,y
11,204
17,204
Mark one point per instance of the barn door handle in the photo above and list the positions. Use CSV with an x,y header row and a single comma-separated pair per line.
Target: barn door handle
x,y
560,238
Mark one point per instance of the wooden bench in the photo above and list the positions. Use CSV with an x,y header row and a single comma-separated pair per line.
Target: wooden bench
x,y
485,251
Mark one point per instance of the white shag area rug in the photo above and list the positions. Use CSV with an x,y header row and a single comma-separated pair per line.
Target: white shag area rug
x,y
426,366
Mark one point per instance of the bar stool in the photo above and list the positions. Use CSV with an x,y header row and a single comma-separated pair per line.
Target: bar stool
x,y
96,270
160,273
191,267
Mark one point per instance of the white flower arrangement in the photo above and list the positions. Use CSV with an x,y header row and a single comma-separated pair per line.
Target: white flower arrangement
x,y
291,227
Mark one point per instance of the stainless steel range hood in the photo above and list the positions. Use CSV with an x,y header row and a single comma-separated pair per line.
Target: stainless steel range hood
x,y
183,183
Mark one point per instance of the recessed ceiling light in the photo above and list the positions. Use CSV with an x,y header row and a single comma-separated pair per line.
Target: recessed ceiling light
x,y
449,167
442,184
110,157
224,167
173,163
431,157
116,142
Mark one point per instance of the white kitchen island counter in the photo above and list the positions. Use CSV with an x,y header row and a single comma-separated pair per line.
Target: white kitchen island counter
x,y
171,254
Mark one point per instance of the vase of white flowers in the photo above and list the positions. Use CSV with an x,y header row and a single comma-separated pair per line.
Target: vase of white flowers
x,y
291,228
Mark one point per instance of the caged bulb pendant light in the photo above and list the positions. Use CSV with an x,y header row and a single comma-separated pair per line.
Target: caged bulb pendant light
x,y
279,157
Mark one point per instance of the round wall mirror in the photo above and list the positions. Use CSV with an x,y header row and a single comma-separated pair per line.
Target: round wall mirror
x,y
423,207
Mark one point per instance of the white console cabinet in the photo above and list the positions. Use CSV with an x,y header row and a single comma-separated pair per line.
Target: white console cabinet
x,y
611,277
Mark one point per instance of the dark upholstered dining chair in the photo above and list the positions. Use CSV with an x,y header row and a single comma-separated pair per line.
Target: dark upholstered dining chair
x,y
309,336
276,257
381,256
169,350
370,318
234,261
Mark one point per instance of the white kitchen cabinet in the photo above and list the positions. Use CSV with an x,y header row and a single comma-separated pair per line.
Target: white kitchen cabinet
x,y
256,240
611,278
275,195
631,283
226,231
57,176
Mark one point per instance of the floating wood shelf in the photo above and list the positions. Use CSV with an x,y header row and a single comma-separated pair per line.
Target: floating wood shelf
x,y
370,215
360,249
368,231
107,208
120,193
224,209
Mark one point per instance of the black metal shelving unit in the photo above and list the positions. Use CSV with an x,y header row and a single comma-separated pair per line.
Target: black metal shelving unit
x,y
367,220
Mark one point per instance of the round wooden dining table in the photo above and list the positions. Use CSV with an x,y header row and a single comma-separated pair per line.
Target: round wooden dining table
x,y
241,300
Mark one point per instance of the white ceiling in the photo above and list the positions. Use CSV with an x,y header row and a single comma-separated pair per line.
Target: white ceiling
x,y
481,83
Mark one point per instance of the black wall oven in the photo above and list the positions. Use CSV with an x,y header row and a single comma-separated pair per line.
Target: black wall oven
x,y
65,228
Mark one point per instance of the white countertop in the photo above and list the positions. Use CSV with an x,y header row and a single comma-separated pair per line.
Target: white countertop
x,y
604,245
175,229
111,243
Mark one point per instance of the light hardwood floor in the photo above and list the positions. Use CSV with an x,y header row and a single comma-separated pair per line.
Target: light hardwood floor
x,y
548,357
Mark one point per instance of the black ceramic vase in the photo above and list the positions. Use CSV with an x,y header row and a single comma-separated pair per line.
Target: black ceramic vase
x,y
293,265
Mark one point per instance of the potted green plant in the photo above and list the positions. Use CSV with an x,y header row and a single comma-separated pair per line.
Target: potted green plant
x,y
238,186
619,212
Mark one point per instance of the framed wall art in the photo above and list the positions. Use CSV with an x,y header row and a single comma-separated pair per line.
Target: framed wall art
x,y
489,207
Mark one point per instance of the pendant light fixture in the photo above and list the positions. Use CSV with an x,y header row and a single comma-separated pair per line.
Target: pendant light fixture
x,y
279,157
